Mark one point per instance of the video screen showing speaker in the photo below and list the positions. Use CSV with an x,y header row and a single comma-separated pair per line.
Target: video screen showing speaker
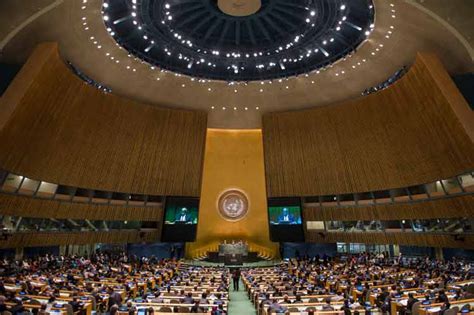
x,y
180,220
286,222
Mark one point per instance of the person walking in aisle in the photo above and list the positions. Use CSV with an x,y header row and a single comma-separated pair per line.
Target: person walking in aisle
x,y
236,279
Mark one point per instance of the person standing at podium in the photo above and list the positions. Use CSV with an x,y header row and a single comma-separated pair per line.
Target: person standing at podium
x,y
183,216
286,217
236,278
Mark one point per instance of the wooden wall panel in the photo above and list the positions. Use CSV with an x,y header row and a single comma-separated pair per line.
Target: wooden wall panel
x,y
78,238
404,135
65,131
40,208
23,80
407,238
455,207
446,85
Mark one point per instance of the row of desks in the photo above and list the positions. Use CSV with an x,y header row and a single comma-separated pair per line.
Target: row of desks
x,y
270,275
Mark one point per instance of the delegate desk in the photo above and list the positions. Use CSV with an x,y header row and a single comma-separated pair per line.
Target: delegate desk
x,y
176,299
304,299
401,302
435,308
159,307
31,307
118,287
316,313
304,306
85,301
160,313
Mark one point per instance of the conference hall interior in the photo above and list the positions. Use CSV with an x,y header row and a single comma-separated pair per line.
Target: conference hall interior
x,y
241,157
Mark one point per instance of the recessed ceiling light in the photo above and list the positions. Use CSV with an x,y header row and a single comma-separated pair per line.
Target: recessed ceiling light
x,y
236,64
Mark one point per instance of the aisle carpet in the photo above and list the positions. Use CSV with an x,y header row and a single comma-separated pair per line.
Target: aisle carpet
x,y
239,303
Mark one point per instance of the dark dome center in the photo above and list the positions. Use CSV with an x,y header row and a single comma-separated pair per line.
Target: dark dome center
x,y
240,40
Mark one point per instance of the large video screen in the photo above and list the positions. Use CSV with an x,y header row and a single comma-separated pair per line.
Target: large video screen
x,y
286,223
180,220
284,215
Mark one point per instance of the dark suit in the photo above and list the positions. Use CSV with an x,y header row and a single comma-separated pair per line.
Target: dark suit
x,y
289,218
410,303
183,217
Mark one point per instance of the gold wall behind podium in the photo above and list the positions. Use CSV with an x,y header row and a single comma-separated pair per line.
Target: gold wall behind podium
x,y
233,160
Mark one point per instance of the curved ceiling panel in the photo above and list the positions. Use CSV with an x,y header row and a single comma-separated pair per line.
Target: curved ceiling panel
x,y
401,30
283,38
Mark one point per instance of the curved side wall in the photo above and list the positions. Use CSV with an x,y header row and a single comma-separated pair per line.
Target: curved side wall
x,y
28,207
56,128
416,131
455,207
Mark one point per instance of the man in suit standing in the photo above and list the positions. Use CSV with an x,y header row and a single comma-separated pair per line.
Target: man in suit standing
x,y
236,279
411,300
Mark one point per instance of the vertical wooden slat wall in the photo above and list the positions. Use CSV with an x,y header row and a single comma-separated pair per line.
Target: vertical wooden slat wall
x,y
456,207
405,135
64,131
28,207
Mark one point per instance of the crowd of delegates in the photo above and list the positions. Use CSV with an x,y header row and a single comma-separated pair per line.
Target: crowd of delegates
x,y
359,284
128,285
113,284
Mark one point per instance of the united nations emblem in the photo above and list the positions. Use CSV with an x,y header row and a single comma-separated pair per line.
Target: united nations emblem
x,y
232,205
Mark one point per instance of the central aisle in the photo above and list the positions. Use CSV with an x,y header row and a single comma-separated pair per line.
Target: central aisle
x,y
239,303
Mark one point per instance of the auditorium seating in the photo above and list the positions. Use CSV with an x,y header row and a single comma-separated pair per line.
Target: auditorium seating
x,y
103,283
125,285
358,283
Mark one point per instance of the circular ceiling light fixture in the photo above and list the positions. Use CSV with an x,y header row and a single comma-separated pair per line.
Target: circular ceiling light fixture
x,y
259,40
239,7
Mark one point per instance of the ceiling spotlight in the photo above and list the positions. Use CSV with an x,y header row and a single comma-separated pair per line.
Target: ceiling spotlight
x,y
184,51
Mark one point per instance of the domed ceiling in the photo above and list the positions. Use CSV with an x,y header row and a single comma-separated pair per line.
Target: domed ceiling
x,y
201,38
401,29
